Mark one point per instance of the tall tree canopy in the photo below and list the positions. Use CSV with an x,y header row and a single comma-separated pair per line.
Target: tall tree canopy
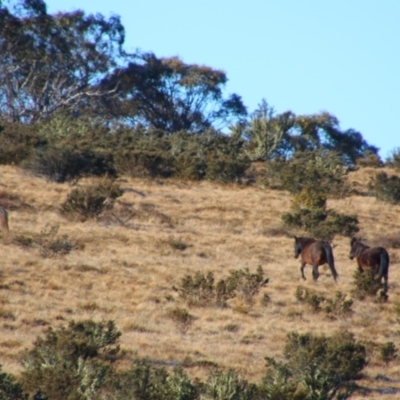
x,y
55,61
270,134
167,94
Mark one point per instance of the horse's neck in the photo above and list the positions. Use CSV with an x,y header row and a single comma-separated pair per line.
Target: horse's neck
x,y
306,242
361,248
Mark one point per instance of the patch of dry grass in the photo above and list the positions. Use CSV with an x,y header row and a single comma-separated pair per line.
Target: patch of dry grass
x,y
125,266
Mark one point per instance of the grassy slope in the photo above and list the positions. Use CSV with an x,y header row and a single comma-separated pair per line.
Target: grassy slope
x,y
126,273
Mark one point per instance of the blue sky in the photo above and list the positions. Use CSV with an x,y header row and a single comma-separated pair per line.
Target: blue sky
x,y
307,56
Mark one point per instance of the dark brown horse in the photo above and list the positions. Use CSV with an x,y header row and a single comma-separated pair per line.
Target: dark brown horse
x,y
376,258
315,253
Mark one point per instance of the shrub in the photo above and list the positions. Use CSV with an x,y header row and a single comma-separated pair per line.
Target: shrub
x,y
339,306
10,389
197,290
202,290
227,385
365,285
319,171
325,367
385,188
67,164
144,163
309,297
90,201
321,223
73,362
181,318
145,382
388,352
17,142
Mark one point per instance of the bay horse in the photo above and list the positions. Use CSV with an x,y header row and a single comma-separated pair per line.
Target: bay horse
x,y
314,252
376,258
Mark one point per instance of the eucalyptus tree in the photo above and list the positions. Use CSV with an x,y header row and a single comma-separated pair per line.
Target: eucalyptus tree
x,y
53,61
170,95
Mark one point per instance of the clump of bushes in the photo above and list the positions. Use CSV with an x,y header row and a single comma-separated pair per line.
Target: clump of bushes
x,y
315,367
202,290
337,307
182,318
385,188
90,201
78,362
311,177
366,284
71,362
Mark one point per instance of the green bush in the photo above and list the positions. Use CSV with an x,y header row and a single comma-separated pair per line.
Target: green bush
x,y
227,385
318,171
202,290
338,307
182,318
71,362
67,164
17,142
142,381
339,357
309,297
10,388
388,352
321,223
385,188
366,285
89,202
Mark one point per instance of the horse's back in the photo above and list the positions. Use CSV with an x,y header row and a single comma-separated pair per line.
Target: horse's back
x,y
372,256
315,252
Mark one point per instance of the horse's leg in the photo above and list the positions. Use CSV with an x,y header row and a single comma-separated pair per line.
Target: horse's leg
x,y
303,264
315,272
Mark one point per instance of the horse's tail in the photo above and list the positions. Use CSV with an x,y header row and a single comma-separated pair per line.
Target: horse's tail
x,y
384,264
4,221
330,259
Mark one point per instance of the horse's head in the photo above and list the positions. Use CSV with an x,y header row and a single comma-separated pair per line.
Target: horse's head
x,y
297,247
353,248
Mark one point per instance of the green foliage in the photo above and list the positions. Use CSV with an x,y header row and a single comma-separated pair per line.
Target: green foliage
x,y
338,307
366,285
10,389
386,188
73,362
321,223
277,383
309,297
142,381
265,132
167,94
325,367
388,352
227,385
202,290
53,62
17,142
182,318
310,171
247,284
90,201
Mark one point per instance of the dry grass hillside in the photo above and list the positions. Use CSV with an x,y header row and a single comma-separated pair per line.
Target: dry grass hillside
x,y
123,268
